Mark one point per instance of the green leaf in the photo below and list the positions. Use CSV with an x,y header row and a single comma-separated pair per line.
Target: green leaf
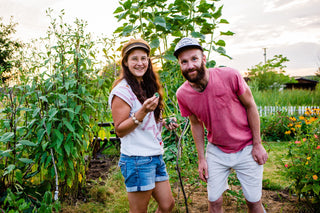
x,y
218,14
44,145
316,189
30,124
86,118
67,148
47,198
9,169
44,98
5,153
69,182
229,33
160,21
211,64
221,43
26,160
221,50
71,112
48,160
118,10
155,43
52,113
59,136
197,35
127,5
224,21
6,137
68,125
18,175
119,30
36,112
78,108
63,97
27,143
49,125
127,30
40,135
32,174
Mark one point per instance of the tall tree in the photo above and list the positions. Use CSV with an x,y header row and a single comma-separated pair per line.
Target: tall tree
x,y
8,48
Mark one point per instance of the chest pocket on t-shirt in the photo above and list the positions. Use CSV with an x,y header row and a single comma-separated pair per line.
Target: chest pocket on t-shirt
x,y
221,95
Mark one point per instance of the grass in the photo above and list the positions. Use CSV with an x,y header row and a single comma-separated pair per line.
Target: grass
x,y
110,195
273,180
287,97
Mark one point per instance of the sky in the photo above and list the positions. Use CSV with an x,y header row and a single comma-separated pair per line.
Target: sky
x,y
287,27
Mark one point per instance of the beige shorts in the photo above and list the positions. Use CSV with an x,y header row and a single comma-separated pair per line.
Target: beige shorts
x,y
248,171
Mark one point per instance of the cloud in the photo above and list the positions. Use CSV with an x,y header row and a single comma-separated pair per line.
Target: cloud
x,y
283,5
288,27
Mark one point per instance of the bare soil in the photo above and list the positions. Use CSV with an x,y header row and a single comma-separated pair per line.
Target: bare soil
x,y
273,201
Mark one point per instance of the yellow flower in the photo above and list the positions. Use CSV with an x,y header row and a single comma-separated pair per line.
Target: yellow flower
x,y
308,122
313,119
307,162
308,158
80,177
315,177
287,132
290,124
293,129
293,118
297,125
301,117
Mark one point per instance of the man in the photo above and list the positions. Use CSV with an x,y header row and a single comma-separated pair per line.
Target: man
x,y
220,100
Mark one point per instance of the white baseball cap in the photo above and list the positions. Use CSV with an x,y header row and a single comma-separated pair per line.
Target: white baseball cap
x,y
186,43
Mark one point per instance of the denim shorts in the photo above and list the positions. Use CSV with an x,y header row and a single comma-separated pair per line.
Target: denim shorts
x,y
141,172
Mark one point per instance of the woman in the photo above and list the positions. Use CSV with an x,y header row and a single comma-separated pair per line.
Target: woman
x,y
136,104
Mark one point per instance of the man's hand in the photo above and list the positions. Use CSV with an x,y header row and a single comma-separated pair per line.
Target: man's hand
x,y
203,170
259,154
170,123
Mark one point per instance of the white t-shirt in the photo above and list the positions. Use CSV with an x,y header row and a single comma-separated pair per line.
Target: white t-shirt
x,y
145,139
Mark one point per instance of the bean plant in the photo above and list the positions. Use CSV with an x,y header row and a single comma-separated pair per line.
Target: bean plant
x,y
48,118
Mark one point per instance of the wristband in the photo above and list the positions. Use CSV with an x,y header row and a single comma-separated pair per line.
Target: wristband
x,y
135,120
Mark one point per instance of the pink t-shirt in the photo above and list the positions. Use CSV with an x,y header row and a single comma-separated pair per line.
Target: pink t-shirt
x,y
219,108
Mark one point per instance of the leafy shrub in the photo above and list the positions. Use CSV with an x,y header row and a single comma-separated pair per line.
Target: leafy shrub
x,y
274,127
283,127
17,202
302,161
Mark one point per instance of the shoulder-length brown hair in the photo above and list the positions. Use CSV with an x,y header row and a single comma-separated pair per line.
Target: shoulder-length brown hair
x,y
150,83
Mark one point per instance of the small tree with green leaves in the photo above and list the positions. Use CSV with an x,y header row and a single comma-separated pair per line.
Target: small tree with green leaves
x,y
270,75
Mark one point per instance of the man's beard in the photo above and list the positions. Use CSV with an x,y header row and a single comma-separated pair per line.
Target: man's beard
x,y
200,74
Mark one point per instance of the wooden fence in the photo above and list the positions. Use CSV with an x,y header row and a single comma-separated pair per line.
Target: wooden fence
x,y
300,110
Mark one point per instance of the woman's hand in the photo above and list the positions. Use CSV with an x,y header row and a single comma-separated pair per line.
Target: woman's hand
x,y
150,104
